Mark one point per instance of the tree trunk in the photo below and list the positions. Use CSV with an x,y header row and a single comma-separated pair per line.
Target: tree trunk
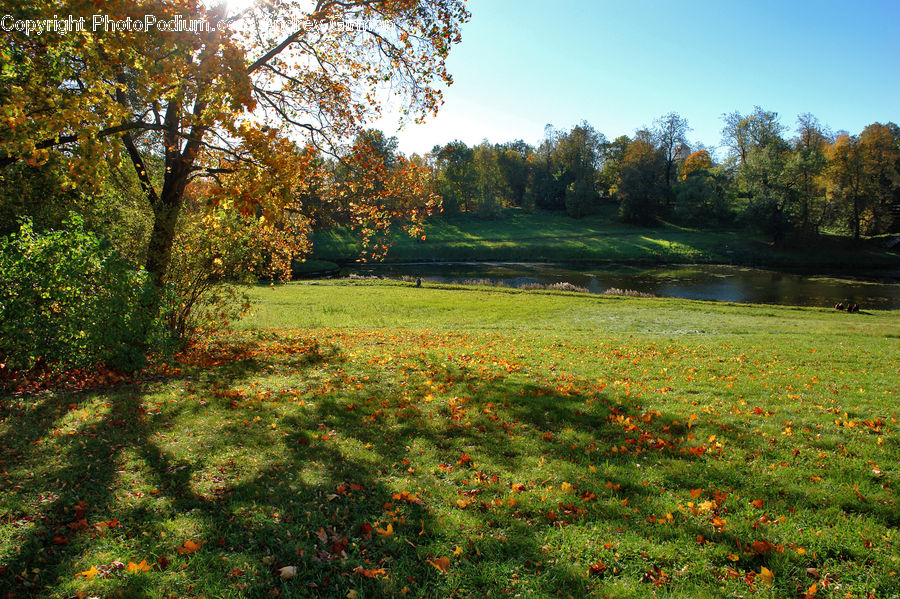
x,y
165,220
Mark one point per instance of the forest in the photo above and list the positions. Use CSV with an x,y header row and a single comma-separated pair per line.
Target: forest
x,y
781,181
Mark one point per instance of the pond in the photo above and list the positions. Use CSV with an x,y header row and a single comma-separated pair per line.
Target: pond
x,y
705,282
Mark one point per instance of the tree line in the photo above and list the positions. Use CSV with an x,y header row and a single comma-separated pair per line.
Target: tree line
x,y
781,181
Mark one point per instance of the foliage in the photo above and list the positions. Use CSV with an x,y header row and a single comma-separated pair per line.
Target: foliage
x,y
68,300
641,186
700,199
698,160
228,101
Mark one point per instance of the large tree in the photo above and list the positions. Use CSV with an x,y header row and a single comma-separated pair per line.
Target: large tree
x,y
231,97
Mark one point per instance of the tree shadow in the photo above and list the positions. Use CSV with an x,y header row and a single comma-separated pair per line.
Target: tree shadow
x,y
359,482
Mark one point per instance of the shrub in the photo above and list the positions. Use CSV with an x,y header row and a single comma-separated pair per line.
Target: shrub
x,y
68,300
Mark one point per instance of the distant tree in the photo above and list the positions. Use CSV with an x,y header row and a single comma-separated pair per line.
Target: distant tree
x,y
700,198
698,160
613,155
864,178
670,133
457,178
580,154
845,179
490,185
641,186
762,154
513,162
804,174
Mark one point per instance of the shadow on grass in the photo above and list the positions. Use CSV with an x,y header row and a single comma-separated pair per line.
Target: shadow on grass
x,y
356,479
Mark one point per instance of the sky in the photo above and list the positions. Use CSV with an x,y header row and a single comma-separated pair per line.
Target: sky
x,y
619,65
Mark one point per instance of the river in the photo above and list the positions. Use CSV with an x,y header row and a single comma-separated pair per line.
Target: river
x,y
704,282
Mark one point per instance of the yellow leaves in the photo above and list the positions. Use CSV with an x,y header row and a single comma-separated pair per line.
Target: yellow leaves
x,y
442,564
565,487
386,532
766,575
458,551
463,503
141,567
89,574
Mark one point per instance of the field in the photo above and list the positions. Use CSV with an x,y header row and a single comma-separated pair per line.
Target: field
x,y
369,439
553,237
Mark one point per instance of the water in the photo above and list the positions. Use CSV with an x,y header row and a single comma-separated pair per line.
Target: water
x,y
705,282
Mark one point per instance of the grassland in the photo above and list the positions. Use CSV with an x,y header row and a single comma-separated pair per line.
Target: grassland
x,y
369,439
553,237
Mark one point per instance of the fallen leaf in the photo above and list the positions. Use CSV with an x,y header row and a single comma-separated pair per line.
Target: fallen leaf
x,y
141,567
387,531
441,563
89,574
188,547
766,574
287,572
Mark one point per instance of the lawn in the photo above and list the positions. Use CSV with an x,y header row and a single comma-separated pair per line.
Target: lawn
x,y
369,439
553,237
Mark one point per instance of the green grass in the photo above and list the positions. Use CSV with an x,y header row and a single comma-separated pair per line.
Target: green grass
x,y
363,431
553,237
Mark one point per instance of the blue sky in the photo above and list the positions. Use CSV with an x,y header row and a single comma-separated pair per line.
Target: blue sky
x,y
620,64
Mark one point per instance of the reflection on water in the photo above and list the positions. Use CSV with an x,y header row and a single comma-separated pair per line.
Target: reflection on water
x,y
706,282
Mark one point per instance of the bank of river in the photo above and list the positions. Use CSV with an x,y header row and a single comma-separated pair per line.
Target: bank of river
x,y
706,282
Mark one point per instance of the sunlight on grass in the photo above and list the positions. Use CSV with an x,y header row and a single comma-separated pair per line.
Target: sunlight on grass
x,y
585,454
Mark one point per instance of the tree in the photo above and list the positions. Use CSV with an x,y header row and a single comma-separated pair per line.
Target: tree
x,y
641,186
224,102
698,160
457,182
513,162
864,178
670,132
805,169
743,133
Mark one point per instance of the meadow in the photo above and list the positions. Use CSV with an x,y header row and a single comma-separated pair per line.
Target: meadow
x,y
544,236
369,438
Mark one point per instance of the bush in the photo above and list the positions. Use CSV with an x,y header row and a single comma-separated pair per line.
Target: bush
x,y
68,300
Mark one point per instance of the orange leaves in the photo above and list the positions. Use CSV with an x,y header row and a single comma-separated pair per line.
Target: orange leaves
x,y
597,569
442,564
387,532
141,567
369,573
757,503
188,547
718,523
408,497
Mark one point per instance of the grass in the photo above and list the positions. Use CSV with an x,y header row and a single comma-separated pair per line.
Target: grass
x,y
387,440
553,237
